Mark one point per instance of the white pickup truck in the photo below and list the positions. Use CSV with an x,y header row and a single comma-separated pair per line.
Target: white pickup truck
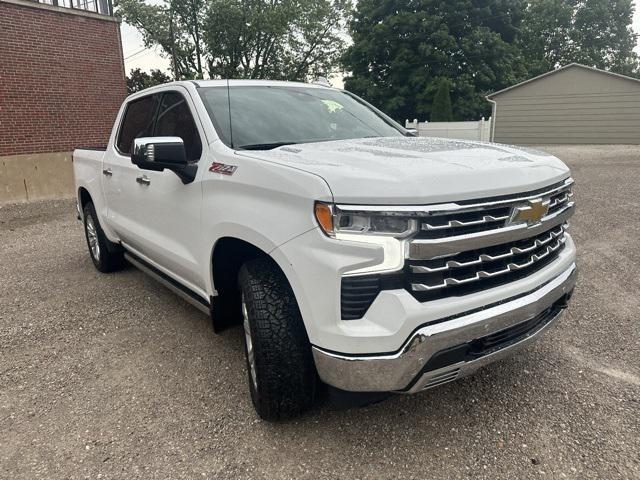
x,y
354,254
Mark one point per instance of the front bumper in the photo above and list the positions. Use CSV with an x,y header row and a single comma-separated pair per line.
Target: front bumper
x,y
448,348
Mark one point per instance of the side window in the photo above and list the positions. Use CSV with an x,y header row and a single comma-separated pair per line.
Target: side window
x,y
175,120
137,122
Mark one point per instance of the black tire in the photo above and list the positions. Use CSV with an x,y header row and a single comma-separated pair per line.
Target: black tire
x,y
108,257
286,381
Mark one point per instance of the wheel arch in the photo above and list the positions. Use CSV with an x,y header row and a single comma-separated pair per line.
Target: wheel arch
x,y
228,254
84,197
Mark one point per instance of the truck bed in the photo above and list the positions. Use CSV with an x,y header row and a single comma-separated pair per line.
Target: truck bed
x,y
87,168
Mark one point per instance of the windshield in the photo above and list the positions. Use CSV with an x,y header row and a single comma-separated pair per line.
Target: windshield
x,y
265,117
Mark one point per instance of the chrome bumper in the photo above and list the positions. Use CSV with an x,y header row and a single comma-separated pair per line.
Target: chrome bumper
x,y
402,371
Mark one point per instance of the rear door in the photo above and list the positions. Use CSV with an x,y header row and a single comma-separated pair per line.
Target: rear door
x,y
164,212
119,173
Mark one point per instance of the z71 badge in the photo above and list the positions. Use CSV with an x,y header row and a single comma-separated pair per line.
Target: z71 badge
x,y
223,168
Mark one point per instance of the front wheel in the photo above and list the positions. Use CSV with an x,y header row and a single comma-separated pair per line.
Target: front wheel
x,y
282,375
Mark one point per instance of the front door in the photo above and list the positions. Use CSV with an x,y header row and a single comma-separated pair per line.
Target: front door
x,y
160,217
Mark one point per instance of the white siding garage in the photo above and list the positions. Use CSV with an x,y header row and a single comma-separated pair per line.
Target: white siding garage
x,y
574,104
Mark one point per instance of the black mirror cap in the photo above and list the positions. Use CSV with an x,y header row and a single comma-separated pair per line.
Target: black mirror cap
x,y
170,154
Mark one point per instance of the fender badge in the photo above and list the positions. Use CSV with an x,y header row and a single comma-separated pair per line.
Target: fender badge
x,y
222,168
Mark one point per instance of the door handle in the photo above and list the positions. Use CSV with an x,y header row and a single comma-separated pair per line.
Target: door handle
x,y
107,172
143,180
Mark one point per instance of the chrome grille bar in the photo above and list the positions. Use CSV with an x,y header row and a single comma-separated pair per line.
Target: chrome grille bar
x,y
483,258
560,199
488,217
481,274
460,223
427,249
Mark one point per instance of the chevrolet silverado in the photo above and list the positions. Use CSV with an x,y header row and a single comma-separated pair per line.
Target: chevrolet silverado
x,y
353,253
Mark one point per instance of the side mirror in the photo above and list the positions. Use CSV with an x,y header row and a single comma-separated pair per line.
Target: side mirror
x,y
158,153
412,132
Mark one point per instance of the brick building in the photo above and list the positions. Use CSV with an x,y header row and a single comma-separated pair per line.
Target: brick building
x,y
62,81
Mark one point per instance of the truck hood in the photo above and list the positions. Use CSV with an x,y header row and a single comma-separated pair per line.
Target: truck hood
x,y
406,170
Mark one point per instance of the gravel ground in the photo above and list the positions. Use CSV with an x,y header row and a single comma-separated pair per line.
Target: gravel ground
x,y
112,376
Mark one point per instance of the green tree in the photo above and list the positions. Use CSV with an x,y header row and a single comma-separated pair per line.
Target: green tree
x,y
546,35
283,39
441,109
139,80
597,33
175,26
604,35
402,47
287,39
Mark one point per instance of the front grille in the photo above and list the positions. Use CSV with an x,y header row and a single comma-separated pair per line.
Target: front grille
x,y
473,217
470,246
480,269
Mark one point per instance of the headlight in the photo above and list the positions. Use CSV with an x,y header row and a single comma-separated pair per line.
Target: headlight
x,y
334,221
389,230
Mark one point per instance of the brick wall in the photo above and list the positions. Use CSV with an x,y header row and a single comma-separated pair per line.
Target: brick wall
x,y
61,78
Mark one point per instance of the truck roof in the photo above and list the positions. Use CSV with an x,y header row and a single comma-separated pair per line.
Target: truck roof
x,y
264,83
233,83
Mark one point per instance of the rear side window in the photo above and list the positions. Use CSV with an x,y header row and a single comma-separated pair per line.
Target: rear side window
x,y
175,120
137,122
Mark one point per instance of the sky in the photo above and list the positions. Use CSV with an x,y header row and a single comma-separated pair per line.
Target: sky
x,y
136,56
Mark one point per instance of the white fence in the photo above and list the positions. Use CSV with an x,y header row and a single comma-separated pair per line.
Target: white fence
x,y
480,130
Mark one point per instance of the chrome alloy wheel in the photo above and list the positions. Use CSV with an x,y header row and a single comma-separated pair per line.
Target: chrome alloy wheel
x,y
92,237
251,360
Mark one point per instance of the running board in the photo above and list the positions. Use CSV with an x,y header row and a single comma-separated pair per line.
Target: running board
x,y
176,287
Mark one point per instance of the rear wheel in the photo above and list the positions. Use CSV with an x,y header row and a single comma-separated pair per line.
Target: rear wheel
x,y
281,372
105,255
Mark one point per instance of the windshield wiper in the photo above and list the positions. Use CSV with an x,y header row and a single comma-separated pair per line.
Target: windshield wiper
x,y
264,146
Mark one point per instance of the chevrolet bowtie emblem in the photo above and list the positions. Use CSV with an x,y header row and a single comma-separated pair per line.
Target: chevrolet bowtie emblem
x,y
531,213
